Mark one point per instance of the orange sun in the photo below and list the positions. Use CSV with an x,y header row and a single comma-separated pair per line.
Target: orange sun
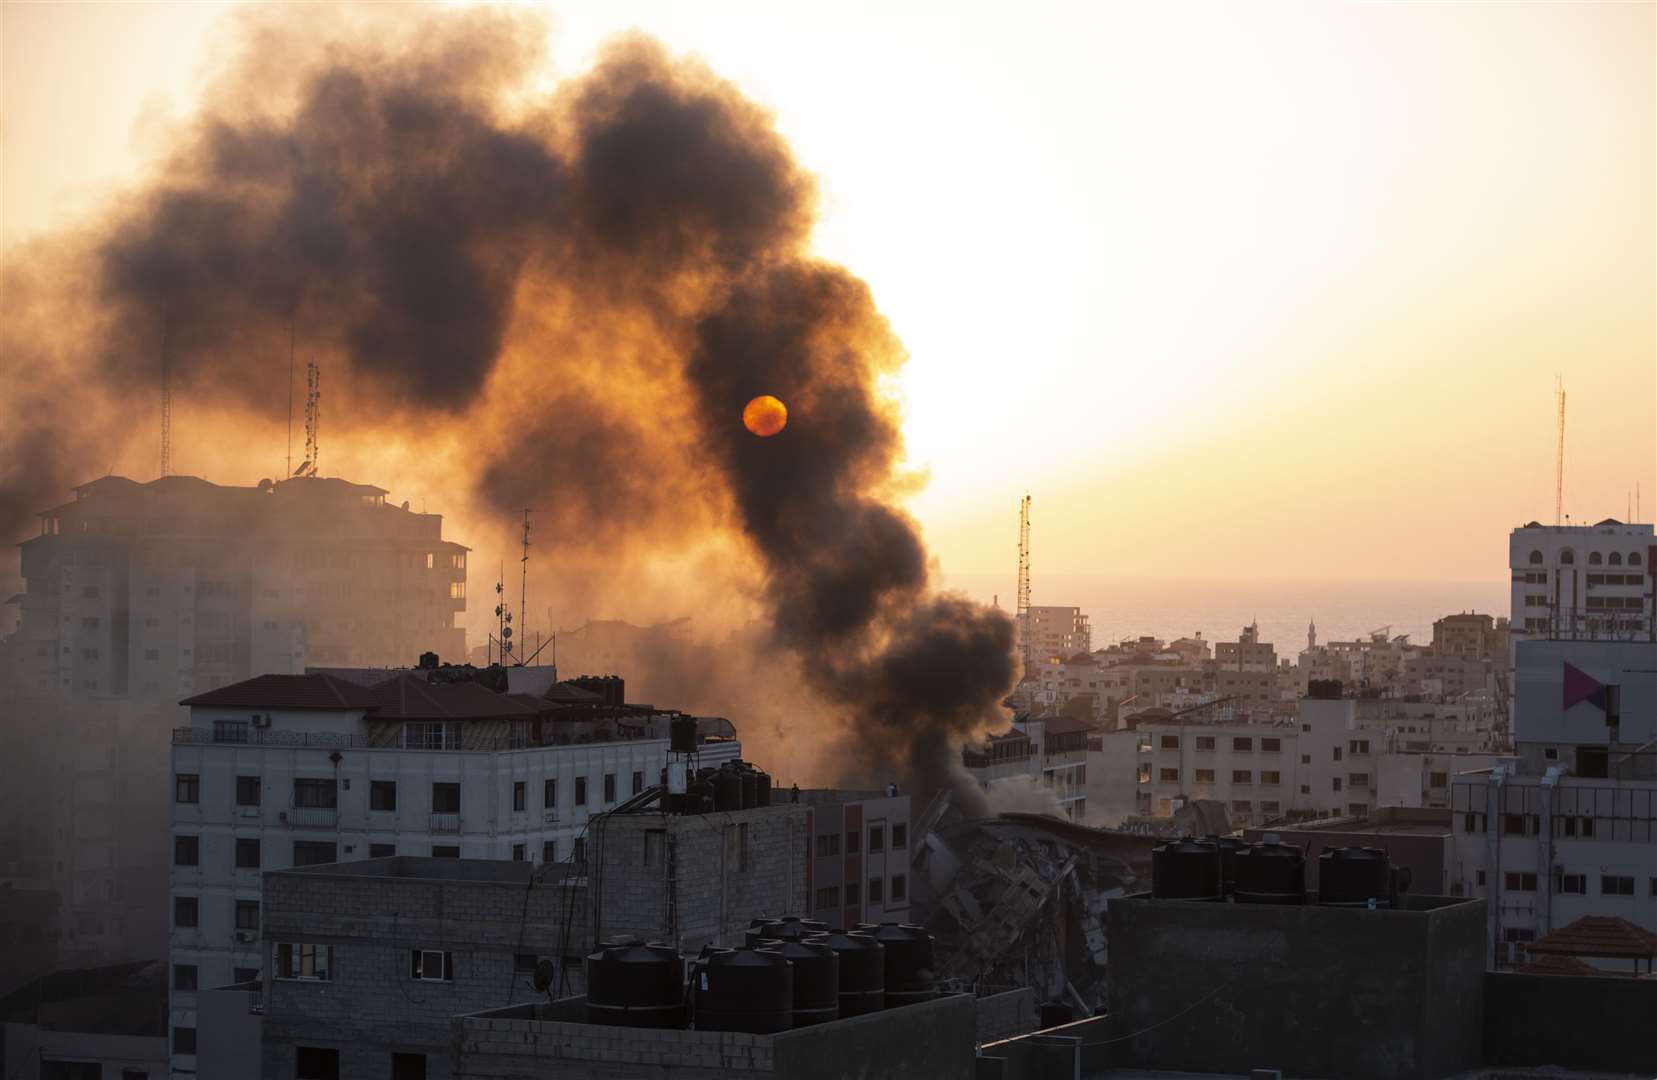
x,y
765,416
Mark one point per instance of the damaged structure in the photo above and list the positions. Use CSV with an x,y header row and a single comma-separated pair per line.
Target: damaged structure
x,y
1020,899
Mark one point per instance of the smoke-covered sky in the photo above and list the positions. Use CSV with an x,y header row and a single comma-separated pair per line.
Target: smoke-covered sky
x,y
558,300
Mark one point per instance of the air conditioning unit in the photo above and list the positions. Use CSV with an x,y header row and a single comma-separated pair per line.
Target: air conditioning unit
x,y
261,720
247,937
247,811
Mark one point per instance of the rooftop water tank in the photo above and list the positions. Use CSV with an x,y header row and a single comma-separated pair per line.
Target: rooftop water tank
x,y
1186,869
1271,873
681,735
862,970
748,990
1355,876
816,981
1229,847
908,961
762,788
750,787
727,790
633,985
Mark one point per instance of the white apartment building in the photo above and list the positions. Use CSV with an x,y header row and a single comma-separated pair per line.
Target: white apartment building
x,y
1048,752
1568,826
1582,581
294,770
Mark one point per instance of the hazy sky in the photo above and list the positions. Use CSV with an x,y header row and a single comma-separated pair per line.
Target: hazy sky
x,y
1269,290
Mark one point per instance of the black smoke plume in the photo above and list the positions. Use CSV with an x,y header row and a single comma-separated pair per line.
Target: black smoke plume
x,y
561,302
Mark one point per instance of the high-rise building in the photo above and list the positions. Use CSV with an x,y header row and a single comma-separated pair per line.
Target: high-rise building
x,y
1058,631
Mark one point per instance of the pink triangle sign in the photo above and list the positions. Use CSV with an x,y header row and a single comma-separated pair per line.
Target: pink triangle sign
x,y
1579,686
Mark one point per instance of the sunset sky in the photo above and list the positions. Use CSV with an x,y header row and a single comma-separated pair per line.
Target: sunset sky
x,y
1267,290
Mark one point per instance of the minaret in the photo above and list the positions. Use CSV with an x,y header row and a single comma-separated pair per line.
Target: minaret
x,y
1311,635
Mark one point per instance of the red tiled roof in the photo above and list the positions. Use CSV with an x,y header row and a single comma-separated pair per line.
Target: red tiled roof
x,y
287,692
411,697
1548,964
1066,725
1599,935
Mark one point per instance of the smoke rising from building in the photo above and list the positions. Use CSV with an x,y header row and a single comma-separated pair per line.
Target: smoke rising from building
x,y
561,301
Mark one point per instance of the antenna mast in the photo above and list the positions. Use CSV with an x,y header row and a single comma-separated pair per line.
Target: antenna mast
x,y
313,410
1024,582
523,582
166,406
1559,457
287,469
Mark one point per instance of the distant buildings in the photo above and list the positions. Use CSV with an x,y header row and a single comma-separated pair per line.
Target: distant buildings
x,y
294,770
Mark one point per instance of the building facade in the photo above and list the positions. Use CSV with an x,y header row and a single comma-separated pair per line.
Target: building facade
x,y
859,867
1582,581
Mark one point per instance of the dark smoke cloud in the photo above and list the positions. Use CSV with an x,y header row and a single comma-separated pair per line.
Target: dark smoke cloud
x,y
561,303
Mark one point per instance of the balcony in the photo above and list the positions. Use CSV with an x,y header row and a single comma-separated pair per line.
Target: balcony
x,y
549,817
445,823
311,817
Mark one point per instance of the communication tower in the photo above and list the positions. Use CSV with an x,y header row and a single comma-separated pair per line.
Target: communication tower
x,y
1024,644
1559,457
166,406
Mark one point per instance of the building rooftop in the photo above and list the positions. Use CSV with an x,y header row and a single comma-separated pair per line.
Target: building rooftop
x,y
411,697
287,692
1599,935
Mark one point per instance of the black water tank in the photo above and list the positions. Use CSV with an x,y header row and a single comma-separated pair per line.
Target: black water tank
x,y
794,928
1054,1013
762,786
862,971
748,990
1186,869
1353,876
750,788
909,972
816,981
681,735
636,986
1271,873
762,930
1229,847
727,790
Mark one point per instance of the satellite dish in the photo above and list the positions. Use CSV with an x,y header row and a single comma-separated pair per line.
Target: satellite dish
x,y
545,972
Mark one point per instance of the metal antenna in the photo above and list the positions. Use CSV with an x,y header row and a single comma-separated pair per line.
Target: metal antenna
x,y
1559,457
1024,644
287,468
166,406
523,583
313,411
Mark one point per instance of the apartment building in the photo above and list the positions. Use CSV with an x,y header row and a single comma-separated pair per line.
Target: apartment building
x,y
1056,631
1582,581
859,865
297,770
1247,653
1568,826
1469,634
1038,752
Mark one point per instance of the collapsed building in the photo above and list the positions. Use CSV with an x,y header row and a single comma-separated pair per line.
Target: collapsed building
x,y
1020,899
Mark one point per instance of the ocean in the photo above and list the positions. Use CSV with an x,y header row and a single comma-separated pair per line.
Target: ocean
x,y
1170,608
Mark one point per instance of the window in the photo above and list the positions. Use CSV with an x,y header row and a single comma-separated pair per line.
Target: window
x,y
314,852
899,887
638,782
431,965
382,795
1205,742
517,853
410,1066
1242,806
300,961
1518,934
233,731
1242,743
1634,558
1357,779
578,854
445,851
1571,883
1205,776
185,911
609,788
1357,809
549,795
247,914
1337,753
1337,784
247,853
1513,824
1358,746
851,894
432,736
1270,807
244,975
854,842
1242,776
187,788
1438,779
1306,759
1271,746
828,845
1519,882
184,1040
184,976
549,851
1567,557
1595,558
316,1063
1306,789
520,796
152,654
875,885
445,798
1536,558
581,791
900,836
186,851
877,838
1616,885
316,793
1480,879
828,896
1170,776
1170,742
247,790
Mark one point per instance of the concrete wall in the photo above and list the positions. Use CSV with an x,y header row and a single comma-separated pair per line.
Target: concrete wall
x,y
1589,1024
930,1041
1001,1016
1426,857
1307,989
228,1032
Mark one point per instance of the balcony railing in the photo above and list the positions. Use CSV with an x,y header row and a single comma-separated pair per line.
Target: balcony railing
x,y
445,823
311,817
270,738
333,740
